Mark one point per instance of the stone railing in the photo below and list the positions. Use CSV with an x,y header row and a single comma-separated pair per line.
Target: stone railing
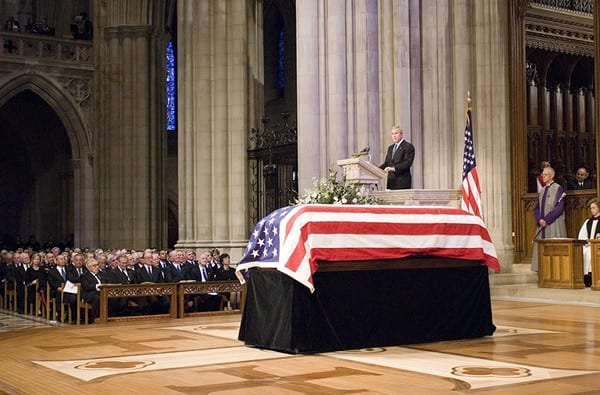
x,y
20,46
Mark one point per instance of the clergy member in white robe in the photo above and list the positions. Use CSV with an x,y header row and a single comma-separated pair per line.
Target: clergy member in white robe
x,y
589,230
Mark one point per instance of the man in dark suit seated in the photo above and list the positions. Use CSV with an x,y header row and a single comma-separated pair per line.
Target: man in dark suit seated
x,y
175,270
90,288
149,272
120,275
581,181
202,272
75,269
57,277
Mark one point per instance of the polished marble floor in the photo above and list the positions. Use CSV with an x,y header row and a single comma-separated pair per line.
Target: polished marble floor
x,y
537,348
10,321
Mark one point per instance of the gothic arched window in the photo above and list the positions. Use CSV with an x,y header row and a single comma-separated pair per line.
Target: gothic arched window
x,y
281,62
171,88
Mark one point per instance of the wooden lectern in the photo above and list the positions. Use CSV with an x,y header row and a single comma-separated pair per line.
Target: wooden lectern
x,y
595,252
560,263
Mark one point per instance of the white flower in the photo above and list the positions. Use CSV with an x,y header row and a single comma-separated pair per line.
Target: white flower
x,y
331,190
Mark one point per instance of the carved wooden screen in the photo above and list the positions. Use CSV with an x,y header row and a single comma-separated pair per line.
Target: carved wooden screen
x,y
560,88
554,115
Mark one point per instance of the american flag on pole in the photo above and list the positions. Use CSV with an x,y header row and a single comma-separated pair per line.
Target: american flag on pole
x,y
292,239
471,191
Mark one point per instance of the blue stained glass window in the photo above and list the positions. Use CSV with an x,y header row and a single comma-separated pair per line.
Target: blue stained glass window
x,y
171,85
281,63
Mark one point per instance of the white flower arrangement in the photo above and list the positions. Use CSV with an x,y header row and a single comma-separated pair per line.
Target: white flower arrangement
x,y
332,190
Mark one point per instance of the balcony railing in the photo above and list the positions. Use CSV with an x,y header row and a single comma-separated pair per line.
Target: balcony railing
x,y
22,46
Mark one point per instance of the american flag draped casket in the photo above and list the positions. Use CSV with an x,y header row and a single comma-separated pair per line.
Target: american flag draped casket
x,y
292,239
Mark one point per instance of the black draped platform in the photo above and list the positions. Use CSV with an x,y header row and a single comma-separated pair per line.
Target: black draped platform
x,y
368,304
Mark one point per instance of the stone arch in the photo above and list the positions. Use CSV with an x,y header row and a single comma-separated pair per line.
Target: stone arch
x,y
78,136
59,100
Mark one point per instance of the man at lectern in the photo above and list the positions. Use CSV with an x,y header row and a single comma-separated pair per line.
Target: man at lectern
x,y
398,160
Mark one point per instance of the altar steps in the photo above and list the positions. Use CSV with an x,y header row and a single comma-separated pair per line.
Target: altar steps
x,y
520,274
521,285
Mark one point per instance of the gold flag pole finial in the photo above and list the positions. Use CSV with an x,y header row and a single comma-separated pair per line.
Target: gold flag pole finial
x,y
468,107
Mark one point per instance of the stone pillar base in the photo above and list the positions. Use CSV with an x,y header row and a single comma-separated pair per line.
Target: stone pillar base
x,y
420,197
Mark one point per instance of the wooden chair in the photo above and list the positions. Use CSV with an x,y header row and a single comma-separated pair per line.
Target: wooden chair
x,y
25,299
66,307
82,305
10,295
34,307
50,304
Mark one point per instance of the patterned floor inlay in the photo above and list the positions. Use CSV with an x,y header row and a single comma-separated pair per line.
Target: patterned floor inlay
x,y
473,372
227,331
90,369
502,331
10,321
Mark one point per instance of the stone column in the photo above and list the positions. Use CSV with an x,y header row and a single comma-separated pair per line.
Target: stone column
x,y
400,77
217,83
338,84
463,49
131,136
442,165
491,122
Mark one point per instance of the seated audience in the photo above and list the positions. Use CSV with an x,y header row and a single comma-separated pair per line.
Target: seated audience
x,y
11,25
581,181
25,269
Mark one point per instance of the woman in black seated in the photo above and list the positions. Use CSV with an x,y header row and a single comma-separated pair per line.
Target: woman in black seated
x,y
228,273
35,275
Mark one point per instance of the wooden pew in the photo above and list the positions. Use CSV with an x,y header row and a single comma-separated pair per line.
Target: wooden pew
x,y
176,292
199,288
109,291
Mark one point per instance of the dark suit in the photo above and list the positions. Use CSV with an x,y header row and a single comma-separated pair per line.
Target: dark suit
x,y
172,275
89,293
151,304
573,184
119,306
205,302
73,273
195,273
117,276
20,277
401,161
56,281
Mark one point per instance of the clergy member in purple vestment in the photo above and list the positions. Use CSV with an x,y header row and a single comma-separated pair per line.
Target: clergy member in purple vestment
x,y
549,213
